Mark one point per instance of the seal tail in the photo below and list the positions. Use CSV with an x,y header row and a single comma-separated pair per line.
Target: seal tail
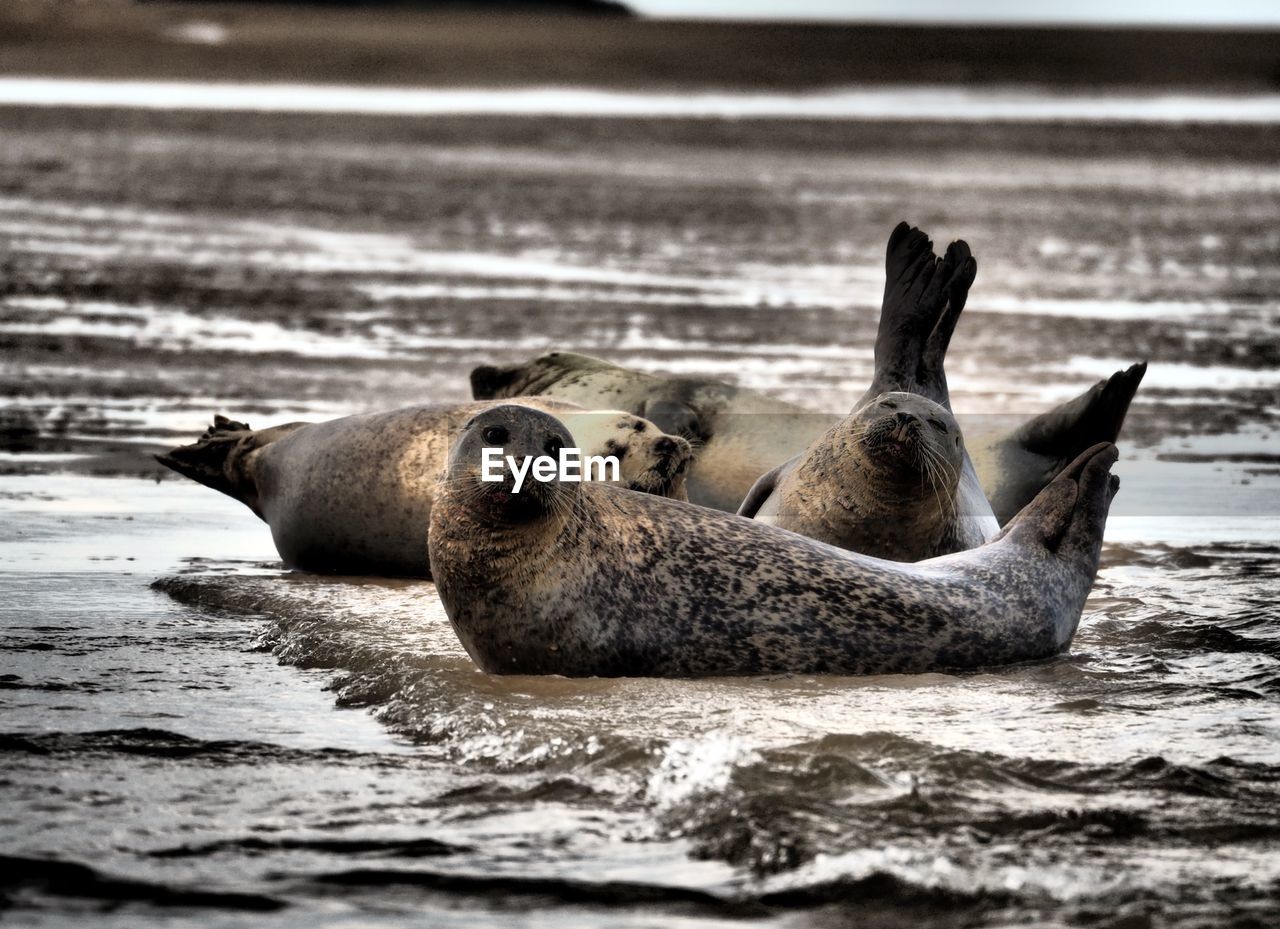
x,y
923,298
1094,416
218,458
1068,517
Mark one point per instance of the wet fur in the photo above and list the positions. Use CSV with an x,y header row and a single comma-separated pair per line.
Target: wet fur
x,y
847,492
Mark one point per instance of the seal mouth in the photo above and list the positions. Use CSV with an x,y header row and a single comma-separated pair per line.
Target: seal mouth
x,y
896,441
663,478
500,503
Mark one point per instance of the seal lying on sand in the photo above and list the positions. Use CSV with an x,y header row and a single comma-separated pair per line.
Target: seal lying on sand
x,y
585,579
354,495
740,434
893,479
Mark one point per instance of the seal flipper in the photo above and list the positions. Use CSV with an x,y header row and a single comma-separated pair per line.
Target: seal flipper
x,y
1094,416
1068,517
1027,458
219,458
763,488
923,297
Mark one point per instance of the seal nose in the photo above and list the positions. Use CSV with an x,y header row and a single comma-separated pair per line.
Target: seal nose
x,y
905,425
665,446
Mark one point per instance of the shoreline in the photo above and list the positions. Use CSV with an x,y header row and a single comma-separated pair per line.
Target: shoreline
x,y
907,103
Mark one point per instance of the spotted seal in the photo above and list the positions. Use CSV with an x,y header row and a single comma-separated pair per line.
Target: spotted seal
x,y
586,579
354,495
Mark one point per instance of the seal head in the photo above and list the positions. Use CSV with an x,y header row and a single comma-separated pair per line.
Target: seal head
x,y
520,433
649,460
883,482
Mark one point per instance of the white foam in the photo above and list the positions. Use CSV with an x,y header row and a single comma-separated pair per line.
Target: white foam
x,y
947,104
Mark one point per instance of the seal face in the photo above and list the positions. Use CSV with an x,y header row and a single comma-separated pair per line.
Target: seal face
x,y
589,579
883,482
649,460
354,495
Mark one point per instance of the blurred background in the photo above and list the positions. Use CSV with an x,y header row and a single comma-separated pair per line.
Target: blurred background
x,y
299,211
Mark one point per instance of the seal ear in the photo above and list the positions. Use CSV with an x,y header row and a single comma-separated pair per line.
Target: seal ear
x,y
490,383
673,418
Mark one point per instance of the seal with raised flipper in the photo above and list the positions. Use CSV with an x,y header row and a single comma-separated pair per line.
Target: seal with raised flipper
x,y
354,495
740,434
893,479
586,579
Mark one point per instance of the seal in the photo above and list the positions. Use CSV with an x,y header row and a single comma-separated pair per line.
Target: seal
x,y
740,434
355,495
893,479
884,481
586,579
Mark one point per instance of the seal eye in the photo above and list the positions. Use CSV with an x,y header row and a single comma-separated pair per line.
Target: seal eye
x,y
938,424
495,435
553,447
889,405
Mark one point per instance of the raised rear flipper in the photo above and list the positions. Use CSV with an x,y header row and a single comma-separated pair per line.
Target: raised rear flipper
x,y
221,457
923,298
1023,461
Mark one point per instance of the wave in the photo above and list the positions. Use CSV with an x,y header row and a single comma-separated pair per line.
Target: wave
x,y
73,879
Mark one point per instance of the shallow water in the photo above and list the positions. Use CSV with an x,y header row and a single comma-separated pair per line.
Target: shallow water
x,y
193,734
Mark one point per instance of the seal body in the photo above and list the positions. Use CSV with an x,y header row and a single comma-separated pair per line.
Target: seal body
x,y
355,495
586,579
885,481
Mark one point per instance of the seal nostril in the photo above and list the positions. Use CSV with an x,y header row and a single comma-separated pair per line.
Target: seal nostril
x,y
664,446
905,419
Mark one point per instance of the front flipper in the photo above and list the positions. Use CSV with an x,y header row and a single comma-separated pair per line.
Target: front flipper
x,y
763,489
1023,461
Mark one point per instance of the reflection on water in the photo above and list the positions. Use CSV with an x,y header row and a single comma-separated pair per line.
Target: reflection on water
x,y
190,731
